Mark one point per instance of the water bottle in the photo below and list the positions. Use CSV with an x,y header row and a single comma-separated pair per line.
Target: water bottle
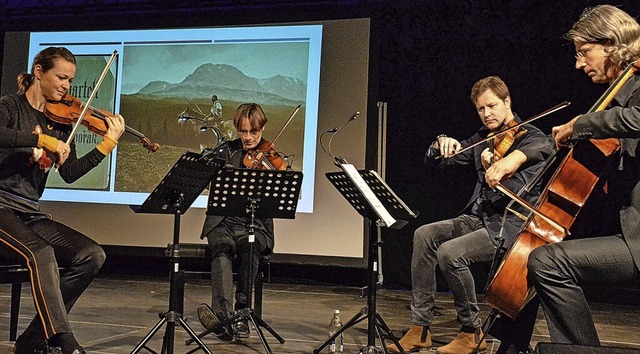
x,y
336,345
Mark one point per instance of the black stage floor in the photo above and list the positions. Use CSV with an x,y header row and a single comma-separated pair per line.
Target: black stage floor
x,y
117,312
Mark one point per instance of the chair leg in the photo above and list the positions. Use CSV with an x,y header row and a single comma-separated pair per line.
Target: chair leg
x,y
16,291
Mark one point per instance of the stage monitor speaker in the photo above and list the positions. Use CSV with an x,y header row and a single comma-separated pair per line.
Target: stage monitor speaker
x,y
555,348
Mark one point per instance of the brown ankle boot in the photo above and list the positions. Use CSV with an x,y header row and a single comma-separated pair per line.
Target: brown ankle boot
x,y
465,343
417,337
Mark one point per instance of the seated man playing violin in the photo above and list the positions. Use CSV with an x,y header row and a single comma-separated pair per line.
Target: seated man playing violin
x,y
475,235
228,235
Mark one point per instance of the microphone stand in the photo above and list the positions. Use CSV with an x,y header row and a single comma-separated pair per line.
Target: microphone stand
x,y
183,118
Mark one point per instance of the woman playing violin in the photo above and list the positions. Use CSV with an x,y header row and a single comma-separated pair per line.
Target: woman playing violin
x,y
30,144
606,40
470,237
228,235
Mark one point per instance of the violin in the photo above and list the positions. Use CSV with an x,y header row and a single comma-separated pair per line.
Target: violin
x,y
264,157
503,142
68,110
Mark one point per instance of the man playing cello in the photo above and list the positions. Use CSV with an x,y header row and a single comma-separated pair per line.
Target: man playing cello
x,y
606,40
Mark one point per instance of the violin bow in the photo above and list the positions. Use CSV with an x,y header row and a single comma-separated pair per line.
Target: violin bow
x,y
502,132
295,111
91,96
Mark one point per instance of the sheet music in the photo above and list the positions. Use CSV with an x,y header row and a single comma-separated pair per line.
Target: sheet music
x,y
375,203
404,206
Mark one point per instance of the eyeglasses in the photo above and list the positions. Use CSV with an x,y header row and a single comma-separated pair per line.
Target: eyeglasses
x,y
588,47
581,54
252,132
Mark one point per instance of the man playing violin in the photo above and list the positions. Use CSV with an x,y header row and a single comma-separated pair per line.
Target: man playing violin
x,y
62,262
606,40
228,236
471,237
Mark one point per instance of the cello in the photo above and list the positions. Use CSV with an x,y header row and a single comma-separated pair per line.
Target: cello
x,y
555,211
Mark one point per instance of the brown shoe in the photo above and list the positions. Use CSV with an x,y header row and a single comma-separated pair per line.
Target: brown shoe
x,y
465,343
418,337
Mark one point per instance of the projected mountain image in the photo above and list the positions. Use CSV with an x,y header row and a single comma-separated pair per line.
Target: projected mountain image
x,y
231,84
156,106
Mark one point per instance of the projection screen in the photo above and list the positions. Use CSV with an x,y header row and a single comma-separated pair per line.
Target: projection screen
x,y
161,75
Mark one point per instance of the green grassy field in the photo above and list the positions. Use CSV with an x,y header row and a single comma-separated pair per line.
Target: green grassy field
x,y
140,171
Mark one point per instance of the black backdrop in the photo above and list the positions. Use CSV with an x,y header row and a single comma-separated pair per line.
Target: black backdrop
x,y
426,57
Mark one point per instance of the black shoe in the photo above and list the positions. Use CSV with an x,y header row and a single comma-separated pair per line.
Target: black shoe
x,y
211,321
29,346
505,348
241,329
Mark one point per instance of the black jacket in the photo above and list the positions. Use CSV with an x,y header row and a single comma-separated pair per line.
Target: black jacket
x,y
494,202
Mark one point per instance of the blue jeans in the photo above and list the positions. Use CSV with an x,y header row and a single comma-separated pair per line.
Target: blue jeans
x,y
454,245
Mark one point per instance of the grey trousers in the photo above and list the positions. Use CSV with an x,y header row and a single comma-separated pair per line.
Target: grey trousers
x,y
453,245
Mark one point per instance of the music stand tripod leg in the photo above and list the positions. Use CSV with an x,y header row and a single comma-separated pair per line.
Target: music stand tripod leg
x,y
175,302
367,312
177,191
263,340
193,335
384,330
249,313
261,323
151,333
372,315
200,335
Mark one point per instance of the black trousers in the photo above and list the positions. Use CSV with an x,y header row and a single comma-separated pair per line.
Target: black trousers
x,y
558,271
229,244
44,246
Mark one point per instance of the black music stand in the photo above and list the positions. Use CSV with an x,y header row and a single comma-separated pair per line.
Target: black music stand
x,y
174,195
253,193
372,198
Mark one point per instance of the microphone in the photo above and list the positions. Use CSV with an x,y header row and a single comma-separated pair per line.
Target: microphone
x,y
339,159
334,131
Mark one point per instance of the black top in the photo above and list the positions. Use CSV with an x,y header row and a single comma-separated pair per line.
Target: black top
x,y
22,179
